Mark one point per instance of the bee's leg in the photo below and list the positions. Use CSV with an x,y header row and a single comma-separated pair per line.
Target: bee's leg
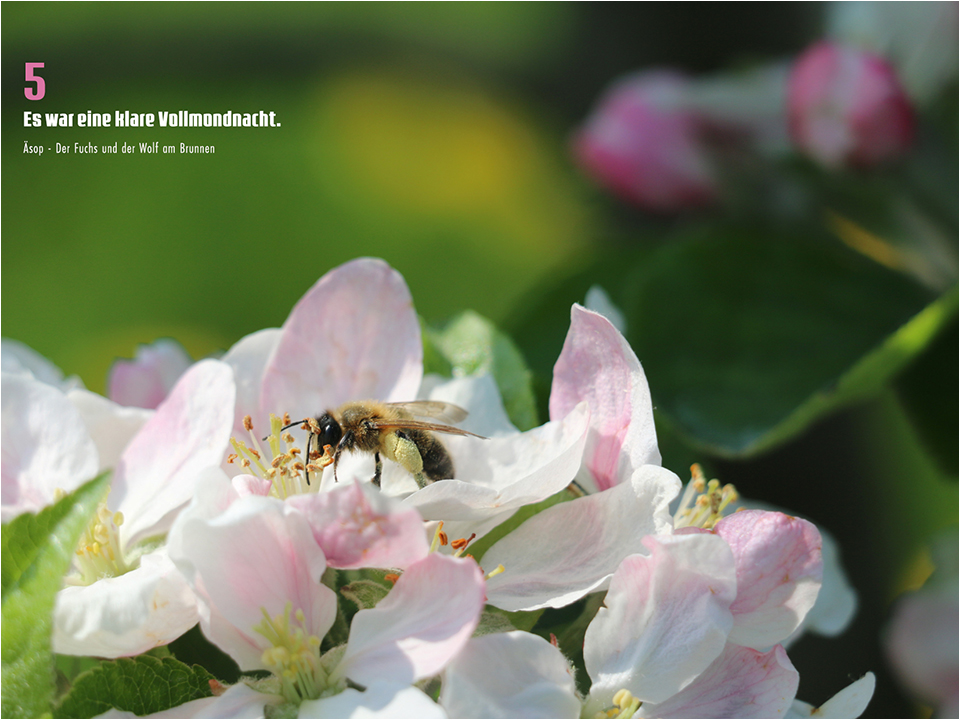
x,y
307,458
379,469
407,455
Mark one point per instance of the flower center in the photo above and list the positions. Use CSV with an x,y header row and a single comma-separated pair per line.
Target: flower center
x,y
98,553
624,706
288,470
702,503
293,655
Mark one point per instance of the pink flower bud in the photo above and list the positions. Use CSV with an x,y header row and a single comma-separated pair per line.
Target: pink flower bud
x,y
643,144
847,108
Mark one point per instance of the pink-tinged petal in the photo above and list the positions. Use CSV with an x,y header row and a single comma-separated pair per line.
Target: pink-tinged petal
x,y
239,701
741,683
379,700
848,703
509,675
356,529
779,571
111,426
189,432
251,485
568,550
45,445
19,359
259,554
419,627
505,473
147,379
248,358
353,336
921,644
598,365
215,493
666,618
125,615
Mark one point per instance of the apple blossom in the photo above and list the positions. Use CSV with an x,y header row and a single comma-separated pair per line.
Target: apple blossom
x,y
661,644
256,568
355,336
124,595
573,548
847,108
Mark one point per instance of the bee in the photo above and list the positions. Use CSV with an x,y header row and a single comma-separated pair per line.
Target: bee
x,y
393,430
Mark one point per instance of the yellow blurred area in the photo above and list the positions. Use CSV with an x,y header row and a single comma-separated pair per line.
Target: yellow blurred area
x,y
437,150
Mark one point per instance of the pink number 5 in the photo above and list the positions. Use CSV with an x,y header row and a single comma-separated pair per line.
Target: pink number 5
x,y
41,86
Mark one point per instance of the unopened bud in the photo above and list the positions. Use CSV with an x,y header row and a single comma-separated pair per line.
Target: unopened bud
x,y
847,108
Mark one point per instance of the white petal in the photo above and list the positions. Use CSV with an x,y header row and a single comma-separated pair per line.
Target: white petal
x,y
666,618
419,627
189,432
248,358
848,703
258,555
111,426
126,615
353,336
479,396
566,551
505,473
45,445
19,359
379,700
509,675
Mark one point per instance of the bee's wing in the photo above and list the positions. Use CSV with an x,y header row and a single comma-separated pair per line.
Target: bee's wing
x,y
442,412
411,424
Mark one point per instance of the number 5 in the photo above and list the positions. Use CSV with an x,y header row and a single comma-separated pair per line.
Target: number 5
x,y
41,86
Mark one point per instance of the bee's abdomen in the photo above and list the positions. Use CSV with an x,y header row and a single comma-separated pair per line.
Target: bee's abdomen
x,y
437,464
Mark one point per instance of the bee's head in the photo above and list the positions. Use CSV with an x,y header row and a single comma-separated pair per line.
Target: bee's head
x,y
330,430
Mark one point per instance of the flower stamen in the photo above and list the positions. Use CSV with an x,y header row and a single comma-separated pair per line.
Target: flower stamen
x,y
703,503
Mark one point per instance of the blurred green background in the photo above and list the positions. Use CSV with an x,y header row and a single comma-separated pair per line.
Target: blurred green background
x,y
434,136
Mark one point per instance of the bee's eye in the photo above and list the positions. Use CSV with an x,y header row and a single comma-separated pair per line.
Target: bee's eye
x,y
330,430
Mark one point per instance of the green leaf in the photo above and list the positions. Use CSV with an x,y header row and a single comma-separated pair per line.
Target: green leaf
x,y
922,389
36,552
365,594
748,337
141,685
474,346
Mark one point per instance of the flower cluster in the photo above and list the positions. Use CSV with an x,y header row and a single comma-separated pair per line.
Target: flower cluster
x,y
209,521
668,142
